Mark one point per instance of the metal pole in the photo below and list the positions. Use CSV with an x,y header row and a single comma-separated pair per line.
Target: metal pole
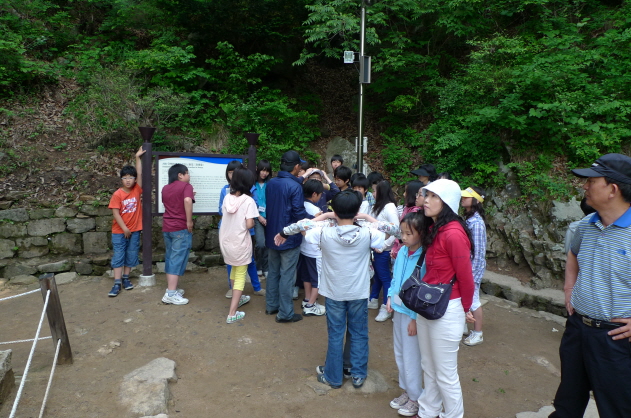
x,y
360,123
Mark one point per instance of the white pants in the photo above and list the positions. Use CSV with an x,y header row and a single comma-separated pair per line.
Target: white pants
x,y
439,341
408,357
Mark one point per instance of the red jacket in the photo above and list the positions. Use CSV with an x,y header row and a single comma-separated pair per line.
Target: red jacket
x,y
449,255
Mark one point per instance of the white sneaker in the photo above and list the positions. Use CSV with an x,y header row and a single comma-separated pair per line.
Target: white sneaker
x,y
180,291
384,315
259,272
176,299
397,403
409,409
229,294
373,304
315,310
295,295
474,338
243,300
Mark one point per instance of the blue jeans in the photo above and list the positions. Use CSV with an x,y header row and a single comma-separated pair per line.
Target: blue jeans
x,y
343,316
178,245
125,250
260,250
382,277
280,281
254,277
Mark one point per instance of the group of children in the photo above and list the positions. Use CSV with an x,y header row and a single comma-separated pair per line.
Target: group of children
x,y
372,233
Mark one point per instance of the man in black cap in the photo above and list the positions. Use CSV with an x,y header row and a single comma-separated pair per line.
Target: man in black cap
x,y
596,346
425,173
284,206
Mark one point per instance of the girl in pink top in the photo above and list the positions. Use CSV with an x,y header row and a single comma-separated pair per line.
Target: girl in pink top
x,y
239,211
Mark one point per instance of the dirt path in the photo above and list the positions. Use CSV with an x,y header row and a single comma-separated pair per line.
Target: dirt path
x,y
256,368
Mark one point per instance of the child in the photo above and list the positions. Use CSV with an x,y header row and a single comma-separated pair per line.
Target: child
x,y
406,349
472,199
336,161
263,174
345,285
409,197
330,189
234,236
343,177
448,246
310,260
127,211
177,228
304,167
252,271
373,179
385,210
360,184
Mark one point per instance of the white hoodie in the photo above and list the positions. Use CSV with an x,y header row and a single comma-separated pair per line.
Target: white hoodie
x,y
234,237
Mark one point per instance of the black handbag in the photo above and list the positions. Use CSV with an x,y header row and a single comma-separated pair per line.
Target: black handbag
x,y
428,300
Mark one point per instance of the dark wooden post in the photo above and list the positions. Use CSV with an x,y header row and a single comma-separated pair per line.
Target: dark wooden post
x,y
252,140
56,318
147,224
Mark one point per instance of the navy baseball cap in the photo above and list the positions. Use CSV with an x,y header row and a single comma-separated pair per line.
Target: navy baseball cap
x,y
615,166
291,157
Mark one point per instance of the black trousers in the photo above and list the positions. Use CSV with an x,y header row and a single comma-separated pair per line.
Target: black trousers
x,y
591,360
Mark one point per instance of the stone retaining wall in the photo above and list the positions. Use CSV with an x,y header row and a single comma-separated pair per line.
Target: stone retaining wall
x,y
78,239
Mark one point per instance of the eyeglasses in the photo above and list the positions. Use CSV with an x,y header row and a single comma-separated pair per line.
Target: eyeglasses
x,y
128,178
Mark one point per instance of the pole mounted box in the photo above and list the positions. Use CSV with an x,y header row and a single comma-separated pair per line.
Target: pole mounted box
x,y
364,69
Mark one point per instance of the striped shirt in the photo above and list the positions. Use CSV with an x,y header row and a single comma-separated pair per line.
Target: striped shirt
x,y
476,225
603,286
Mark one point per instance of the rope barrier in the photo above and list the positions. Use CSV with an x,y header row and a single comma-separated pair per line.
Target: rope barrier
x,y
22,294
50,379
26,341
30,358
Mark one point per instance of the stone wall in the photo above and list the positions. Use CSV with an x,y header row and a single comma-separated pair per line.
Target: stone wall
x,y
530,238
78,239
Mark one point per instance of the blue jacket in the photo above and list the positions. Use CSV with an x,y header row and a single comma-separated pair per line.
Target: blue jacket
x,y
403,268
285,206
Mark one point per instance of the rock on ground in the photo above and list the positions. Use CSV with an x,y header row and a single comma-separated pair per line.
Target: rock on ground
x,y
145,391
7,379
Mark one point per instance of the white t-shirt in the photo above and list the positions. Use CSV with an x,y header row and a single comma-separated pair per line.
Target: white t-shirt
x,y
345,258
306,248
234,238
388,214
365,207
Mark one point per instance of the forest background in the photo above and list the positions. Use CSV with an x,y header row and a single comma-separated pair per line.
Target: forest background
x,y
538,86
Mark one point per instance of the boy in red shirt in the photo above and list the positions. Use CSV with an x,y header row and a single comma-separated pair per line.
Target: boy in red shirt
x,y
177,228
127,224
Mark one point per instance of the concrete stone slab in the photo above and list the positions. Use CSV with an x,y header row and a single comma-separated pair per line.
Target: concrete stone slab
x,y
145,391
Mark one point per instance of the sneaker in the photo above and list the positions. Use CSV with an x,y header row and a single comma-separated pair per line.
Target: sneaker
x,y
259,292
384,315
259,272
127,284
304,303
398,403
409,409
180,291
295,295
115,290
358,382
229,294
322,379
243,300
315,310
346,371
474,338
176,299
373,304
237,317
295,318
